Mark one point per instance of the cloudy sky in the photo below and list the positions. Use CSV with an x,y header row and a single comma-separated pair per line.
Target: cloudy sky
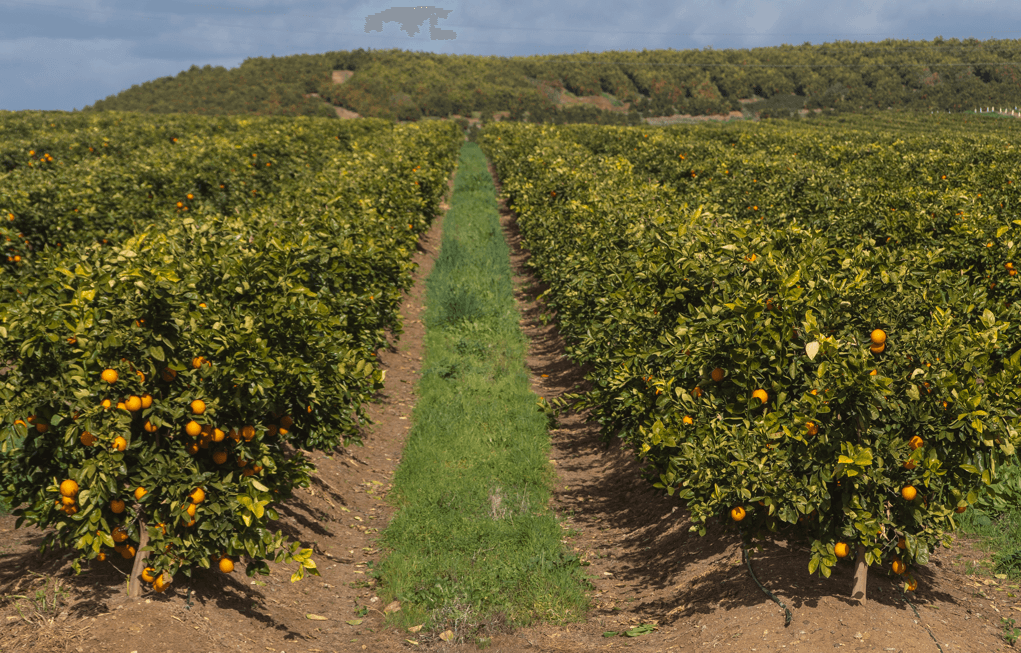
x,y
65,54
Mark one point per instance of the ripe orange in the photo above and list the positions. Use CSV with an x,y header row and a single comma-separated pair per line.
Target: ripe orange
x,y
218,435
737,513
878,337
198,406
119,534
811,428
219,457
101,556
198,495
187,524
193,428
226,565
909,464
197,362
139,493
842,549
272,429
915,442
191,509
128,552
117,506
133,403
160,584
70,510
717,376
120,444
687,420
108,375
68,488
909,492
960,509
697,392
150,427
877,349
898,566
761,395
911,585
248,432
121,406
282,431
67,501
146,400
42,428
235,435
192,448
106,404
286,421
902,544
168,374
87,439
148,574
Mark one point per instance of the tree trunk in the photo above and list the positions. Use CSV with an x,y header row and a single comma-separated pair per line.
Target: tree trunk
x,y
135,584
861,571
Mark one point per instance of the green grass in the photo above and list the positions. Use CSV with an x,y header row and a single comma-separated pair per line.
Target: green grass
x,y
996,522
474,545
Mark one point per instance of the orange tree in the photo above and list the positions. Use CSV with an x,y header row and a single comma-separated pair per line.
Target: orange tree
x,y
160,390
810,423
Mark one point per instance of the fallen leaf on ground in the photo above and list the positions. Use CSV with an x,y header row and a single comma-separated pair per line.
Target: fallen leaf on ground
x,y
315,617
447,635
415,629
394,606
354,622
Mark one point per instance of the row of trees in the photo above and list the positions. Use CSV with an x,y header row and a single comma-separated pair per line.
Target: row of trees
x,y
398,85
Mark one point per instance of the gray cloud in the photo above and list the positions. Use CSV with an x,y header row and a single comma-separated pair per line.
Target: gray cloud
x,y
61,54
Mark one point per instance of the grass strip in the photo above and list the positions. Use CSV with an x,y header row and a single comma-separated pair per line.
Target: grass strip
x,y
474,545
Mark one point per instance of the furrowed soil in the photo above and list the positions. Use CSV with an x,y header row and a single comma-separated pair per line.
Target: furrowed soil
x,y
693,593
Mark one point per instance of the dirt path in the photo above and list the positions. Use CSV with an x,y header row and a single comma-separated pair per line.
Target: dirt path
x,y
647,569
339,516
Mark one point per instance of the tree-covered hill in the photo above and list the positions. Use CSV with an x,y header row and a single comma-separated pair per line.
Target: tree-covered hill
x,y
937,75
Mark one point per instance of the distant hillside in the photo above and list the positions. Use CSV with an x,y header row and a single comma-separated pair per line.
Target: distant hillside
x,y
935,75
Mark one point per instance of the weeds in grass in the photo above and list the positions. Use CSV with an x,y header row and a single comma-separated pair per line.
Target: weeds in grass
x,y
473,547
996,521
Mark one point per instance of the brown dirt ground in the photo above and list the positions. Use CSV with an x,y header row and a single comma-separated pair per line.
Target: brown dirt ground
x,y
645,567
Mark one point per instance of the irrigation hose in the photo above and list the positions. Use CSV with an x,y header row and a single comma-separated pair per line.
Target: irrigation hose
x,y
904,598
748,561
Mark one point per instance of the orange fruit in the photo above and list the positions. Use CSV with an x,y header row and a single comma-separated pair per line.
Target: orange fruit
x,y
198,406
877,349
42,428
148,574
911,585
160,584
119,534
193,428
120,444
150,427
141,376
248,432
909,464
70,510
101,556
737,514
226,565
842,549
106,404
235,435
168,374
218,435
898,566
68,488
67,501
242,462
198,495
108,375
191,509
687,420
197,362
902,544
915,442
811,428
220,457
878,337
697,392
717,375
272,429
139,493
248,471
282,431
286,422
146,400
187,523
192,448
133,403
909,492
117,506
128,552
761,395
960,509
121,406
